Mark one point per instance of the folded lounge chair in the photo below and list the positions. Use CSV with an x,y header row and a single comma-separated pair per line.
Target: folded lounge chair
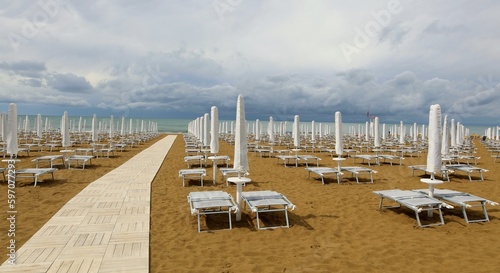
x,y
211,202
267,201
324,172
35,173
464,200
415,201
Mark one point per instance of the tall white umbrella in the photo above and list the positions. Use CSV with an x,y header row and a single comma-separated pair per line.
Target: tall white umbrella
x,y
313,132
339,142
122,128
39,125
214,130
206,130
12,145
445,142
257,130
65,130
376,140
296,132
3,124
453,134
401,133
94,129
434,136
27,125
111,127
240,149
270,130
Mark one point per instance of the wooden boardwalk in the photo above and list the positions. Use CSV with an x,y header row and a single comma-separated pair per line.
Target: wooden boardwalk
x,y
105,228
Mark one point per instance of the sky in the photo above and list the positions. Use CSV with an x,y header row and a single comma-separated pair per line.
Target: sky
x,y
177,58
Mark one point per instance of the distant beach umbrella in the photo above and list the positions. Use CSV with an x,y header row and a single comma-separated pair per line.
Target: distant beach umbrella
x,y
122,128
434,136
111,127
445,141
296,131
257,129
401,133
214,130
26,124
206,130
376,140
65,130
270,130
3,124
453,134
39,125
339,144
12,145
95,137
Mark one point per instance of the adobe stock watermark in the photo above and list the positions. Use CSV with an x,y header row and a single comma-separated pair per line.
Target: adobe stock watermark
x,y
11,212
364,36
46,11
483,92
222,7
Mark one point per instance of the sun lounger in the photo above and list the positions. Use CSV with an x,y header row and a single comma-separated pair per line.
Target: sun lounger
x,y
468,169
79,158
464,200
230,172
308,158
368,158
286,159
415,201
324,172
192,173
198,158
391,158
211,202
267,201
35,173
444,171
356,171
50,158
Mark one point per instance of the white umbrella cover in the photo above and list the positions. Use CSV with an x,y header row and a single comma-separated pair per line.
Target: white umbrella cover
x,y
445,142
65,130
12,145
214,130
240,138
376,141
434,136
339,149
295,131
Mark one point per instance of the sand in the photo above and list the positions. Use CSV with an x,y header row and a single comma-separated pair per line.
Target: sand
x,y
335,227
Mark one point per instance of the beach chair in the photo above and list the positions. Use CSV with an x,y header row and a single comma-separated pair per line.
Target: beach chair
x,y
445,172
415,201
468,169
197,158
287,158
79,158
356,171
391,158
324,172
192,173
50,158
464,200
34,173
368,158
230,172
211,202
267,201
308,158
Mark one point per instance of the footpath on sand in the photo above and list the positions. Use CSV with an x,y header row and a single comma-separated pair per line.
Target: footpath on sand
x,y
104,228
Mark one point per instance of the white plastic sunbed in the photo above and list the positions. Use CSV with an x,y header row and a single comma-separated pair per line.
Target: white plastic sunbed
x,y
308,158
211,202
35,173
468,169
391,158
196,158
368,158
464,200
324,172
445,171
230,172
267,201
79,158
192,173
50,158
415,201
356,171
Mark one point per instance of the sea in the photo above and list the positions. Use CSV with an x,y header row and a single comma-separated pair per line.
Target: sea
x,y
167,125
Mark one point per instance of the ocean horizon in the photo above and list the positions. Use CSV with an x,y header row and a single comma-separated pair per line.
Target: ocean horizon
x,y
170,125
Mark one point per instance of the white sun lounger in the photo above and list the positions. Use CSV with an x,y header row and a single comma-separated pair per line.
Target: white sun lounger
x,y
79,158
230,172
211,202
415,201
324,172
391,158
356,171
50,158
308,158
35,173
196,158
286,159
445,171
368,158
464,200
468,169
267,201
192,173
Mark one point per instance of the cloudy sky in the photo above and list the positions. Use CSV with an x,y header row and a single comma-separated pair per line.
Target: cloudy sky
x,y
177,58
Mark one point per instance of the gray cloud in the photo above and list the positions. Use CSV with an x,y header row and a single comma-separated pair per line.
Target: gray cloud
x,y
69,82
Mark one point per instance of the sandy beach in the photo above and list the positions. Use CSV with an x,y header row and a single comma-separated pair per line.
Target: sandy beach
x,y
335,227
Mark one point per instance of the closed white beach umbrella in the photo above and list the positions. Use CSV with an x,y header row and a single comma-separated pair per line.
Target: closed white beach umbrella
x,y
270,130
214,130
122,129
339,142
434,136
445,141
27,125
453,134
39,125
240,138
3,124
376,141
296,132
80,123
94,129
12,145
401,133
313,131
257,129
111,127
65,130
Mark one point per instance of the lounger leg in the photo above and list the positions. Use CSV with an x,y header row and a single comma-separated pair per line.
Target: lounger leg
x,y
418,219
286,217
258,221
465,215
199,229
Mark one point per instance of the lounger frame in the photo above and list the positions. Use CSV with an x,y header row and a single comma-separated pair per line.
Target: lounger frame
x,y
265,202
211,202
